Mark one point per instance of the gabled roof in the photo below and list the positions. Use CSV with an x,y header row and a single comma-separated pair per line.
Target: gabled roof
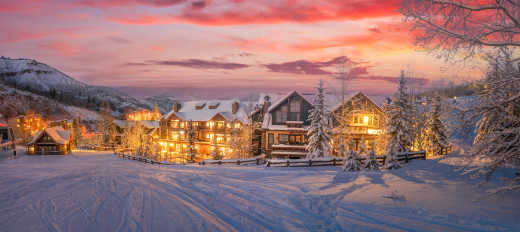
x,y
57,133
283,98
334,102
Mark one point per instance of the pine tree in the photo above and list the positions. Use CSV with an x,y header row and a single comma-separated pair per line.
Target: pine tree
x,y
362,148
192,152
371,161
319,139
498,129
351,163
216,154
399,126
156,112
235,144
435,138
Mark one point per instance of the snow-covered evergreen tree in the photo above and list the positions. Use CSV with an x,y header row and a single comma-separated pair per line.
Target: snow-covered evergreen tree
x,y
371,161
498,129
351,163
216,153
435,136
192,152
319,139
362,148
399,126
235,144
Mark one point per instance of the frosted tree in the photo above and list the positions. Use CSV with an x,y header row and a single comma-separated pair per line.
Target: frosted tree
x,y
319,139
106,126
235,144
435,136
475,28
419,125
399,126
76,132
351,163
246,138
498,129
471,27
156,112
216,153
363,147
371,161
191,152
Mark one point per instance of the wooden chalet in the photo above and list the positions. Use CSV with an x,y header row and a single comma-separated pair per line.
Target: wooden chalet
x,y
284,125
282,132
359,119
50,141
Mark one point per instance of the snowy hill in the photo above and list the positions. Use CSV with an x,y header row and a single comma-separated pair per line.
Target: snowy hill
x,y
14,102
41,79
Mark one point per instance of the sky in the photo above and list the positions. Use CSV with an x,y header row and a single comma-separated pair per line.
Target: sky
x,y
223,48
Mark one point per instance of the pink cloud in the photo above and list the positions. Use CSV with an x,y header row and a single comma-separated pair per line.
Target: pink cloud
x,y
266,12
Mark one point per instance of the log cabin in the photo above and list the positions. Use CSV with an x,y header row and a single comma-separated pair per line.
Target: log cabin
x,y
50,141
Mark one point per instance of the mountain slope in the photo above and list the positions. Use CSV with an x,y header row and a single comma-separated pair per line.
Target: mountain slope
x,y
41,79
15,102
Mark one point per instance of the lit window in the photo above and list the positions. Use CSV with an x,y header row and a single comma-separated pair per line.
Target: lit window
x,y
220,139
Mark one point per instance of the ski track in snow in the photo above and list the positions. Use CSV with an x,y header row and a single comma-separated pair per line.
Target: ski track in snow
x,y
101,192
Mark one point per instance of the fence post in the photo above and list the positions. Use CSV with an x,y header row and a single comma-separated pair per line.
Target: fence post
x,y
334,162
268,163
406,157
257,161
238,162
219,162
288,163
310,163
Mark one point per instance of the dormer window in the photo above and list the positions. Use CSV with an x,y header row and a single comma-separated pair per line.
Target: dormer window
x,y
213,105
200,105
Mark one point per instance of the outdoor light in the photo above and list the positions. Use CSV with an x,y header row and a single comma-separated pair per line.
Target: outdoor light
x,y
365,119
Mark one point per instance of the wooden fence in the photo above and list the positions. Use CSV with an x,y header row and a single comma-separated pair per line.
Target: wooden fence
x,y
402,157
255,160
140,158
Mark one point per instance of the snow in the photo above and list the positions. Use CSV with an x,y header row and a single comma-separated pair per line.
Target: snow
x,y
189,111
57,133
102,192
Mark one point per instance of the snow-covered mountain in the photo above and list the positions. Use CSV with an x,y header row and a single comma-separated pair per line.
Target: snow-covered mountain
x,y
41,79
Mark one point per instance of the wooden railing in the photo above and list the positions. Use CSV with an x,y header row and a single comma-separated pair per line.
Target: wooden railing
x,y
254,160
139,158
402,157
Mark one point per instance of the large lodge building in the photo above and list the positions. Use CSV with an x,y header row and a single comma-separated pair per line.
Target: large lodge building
x,y
212,123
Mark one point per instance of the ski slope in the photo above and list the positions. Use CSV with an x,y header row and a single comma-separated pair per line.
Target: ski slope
x,y
101,192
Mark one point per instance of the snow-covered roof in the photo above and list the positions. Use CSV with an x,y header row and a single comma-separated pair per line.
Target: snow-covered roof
x,y
204,110
281,99
57,133
332,102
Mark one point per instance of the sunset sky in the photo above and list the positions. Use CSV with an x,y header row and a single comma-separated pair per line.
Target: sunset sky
x,y
221,47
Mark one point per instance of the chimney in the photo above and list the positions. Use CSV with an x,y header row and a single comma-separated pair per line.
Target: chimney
x,y
176,106
234,107
267,104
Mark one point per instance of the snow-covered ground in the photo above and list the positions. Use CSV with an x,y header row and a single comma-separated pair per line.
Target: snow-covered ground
x,y
101,192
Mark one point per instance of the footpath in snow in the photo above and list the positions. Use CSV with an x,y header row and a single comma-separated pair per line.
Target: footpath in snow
x,y
101,192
